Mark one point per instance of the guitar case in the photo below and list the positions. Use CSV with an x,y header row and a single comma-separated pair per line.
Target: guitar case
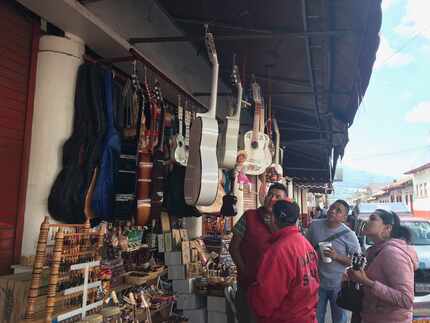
x,y
174,201
82,151
103,196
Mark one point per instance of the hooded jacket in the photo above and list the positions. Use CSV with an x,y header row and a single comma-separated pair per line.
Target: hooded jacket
x,y
286,290
390,299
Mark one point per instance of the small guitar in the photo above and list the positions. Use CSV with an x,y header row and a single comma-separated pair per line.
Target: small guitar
x,y
180,150
256,141
201,176
229,131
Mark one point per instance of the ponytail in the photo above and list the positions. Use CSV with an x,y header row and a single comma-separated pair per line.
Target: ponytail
x,y
398,231
402,233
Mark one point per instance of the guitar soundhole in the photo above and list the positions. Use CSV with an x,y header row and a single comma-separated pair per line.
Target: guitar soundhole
x,y
180,144
254,144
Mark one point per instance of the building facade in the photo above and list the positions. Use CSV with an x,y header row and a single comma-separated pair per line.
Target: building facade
x,y
421,187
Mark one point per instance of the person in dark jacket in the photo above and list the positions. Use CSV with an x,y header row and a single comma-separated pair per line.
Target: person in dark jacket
x,y
286,289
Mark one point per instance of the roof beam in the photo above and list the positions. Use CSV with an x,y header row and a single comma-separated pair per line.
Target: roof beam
x,y
283,93
246,36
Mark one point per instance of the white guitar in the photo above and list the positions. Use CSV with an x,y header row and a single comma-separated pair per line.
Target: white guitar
x,y
201,175
256,141
229,131
180,150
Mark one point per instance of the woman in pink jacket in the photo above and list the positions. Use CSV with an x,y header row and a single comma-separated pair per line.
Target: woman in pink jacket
x,y
389,277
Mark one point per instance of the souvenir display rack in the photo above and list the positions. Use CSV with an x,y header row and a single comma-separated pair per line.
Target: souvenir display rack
x,y
71,256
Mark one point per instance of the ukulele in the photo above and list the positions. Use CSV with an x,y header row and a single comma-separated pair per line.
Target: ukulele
x,y
180,153
229,131
159,168
201,176
257,143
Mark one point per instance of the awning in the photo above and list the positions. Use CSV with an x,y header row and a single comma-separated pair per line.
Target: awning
x,y
319,55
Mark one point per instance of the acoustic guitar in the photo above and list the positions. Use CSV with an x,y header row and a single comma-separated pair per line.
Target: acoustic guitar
x,y
144,178
229,131
257,143
201,176
159,157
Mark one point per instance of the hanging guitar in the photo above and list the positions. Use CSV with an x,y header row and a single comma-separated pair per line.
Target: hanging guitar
x,y
132,115
257,143
144,179
180,153
229,131
159,169
201,176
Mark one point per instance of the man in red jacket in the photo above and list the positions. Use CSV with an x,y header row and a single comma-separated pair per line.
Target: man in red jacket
x,y
251,238
286,290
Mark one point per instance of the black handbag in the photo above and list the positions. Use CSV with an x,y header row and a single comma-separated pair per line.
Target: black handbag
x,y
350,297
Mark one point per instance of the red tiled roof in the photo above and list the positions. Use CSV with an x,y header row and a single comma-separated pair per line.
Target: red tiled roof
x,y
423,167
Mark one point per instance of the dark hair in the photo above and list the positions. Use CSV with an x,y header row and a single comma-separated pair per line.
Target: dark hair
x,y
398,231
343,202
286,213
278,186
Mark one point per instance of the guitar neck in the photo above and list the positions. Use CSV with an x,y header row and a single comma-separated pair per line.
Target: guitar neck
x,y
236,114
180,126
187,127
278,139
256,127
214,91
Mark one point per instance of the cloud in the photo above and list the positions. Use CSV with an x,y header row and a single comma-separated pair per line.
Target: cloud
x,y
388,56
420,113
415,21
387,4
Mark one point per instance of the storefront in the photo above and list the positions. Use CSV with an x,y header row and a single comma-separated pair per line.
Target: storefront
x,y
143,134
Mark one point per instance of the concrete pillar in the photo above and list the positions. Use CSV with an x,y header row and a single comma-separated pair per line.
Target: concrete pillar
x,y
57,66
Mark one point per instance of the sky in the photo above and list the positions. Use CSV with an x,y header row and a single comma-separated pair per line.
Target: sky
x,y
391,131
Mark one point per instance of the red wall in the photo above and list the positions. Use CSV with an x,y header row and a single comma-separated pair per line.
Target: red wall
x,y
17,69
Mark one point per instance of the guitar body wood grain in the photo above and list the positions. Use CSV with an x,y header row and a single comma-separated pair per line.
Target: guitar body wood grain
x,y
227,145
201,176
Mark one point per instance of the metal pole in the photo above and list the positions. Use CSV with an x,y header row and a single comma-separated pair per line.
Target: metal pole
x,y
247,36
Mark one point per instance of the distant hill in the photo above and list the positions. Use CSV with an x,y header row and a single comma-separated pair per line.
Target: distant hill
x,y
354,179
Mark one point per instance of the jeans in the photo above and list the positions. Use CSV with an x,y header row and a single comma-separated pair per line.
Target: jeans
x,y
338,314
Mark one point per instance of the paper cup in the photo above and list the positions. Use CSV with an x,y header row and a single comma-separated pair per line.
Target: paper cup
x,y
324,246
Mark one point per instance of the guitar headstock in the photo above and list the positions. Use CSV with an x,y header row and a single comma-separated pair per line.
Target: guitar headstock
x,y
256,92
358,261
210,46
